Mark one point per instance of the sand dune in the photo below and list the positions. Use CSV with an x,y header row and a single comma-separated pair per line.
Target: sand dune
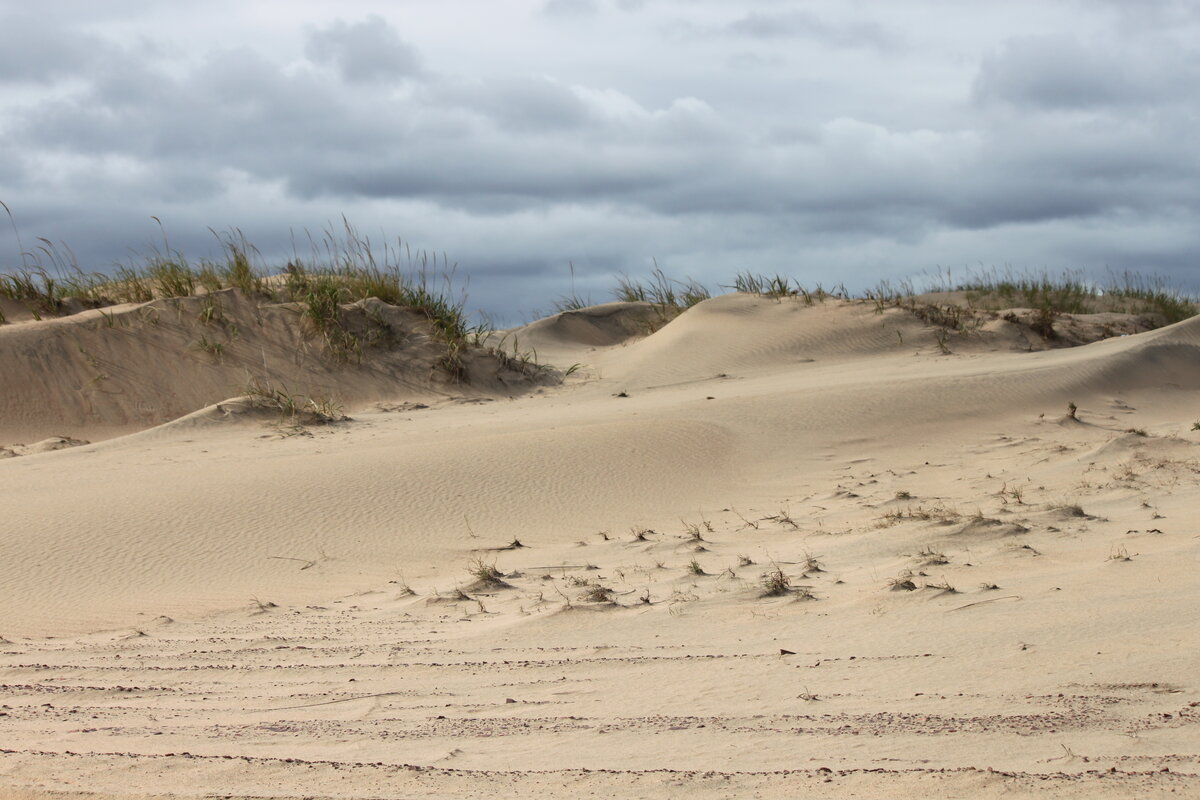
x,y
105,372
976,593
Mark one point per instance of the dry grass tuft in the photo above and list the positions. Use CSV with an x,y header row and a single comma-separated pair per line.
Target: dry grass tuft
x,y
775,582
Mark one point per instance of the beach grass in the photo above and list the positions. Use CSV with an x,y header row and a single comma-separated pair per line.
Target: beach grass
x,y
344,266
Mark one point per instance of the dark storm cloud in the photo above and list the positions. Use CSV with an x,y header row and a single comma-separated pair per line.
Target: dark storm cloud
x,y
833,145
370,50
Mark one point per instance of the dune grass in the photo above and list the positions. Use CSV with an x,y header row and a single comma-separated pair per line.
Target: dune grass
x,y
1069,292
343,267
292,408
669,296
780,285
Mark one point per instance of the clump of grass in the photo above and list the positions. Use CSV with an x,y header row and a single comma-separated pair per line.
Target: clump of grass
x,y
1069,293
903,582
571,302
1014,493
775,582
694,568
344,267
511,356
213,348
784,517
324,409
485,573
402,587
930,557
172,278
885,295
661,290
945,317
779,286
668,296
1119,553
265,395
935,511
292,408
766,285
598,593
237,272
320,308
1043,322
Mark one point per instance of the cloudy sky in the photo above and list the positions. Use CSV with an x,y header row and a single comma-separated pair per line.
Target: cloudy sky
x,y
834,141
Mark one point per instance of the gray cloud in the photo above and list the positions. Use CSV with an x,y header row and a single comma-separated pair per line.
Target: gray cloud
x,y
614,143
1059,71
569,8
526,104
370,50
802,24
35,49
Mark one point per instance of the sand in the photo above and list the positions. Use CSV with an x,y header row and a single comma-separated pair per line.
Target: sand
x,y
985,597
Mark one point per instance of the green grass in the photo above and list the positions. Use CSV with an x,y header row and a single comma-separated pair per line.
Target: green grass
x,y
779,286
213,348
342,267
572,301
669,296
1070,293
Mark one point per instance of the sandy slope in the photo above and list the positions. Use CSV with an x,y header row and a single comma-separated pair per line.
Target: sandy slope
x,y
231,616
101,373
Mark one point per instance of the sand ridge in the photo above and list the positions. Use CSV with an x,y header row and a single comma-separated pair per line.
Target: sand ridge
x,y
105,372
